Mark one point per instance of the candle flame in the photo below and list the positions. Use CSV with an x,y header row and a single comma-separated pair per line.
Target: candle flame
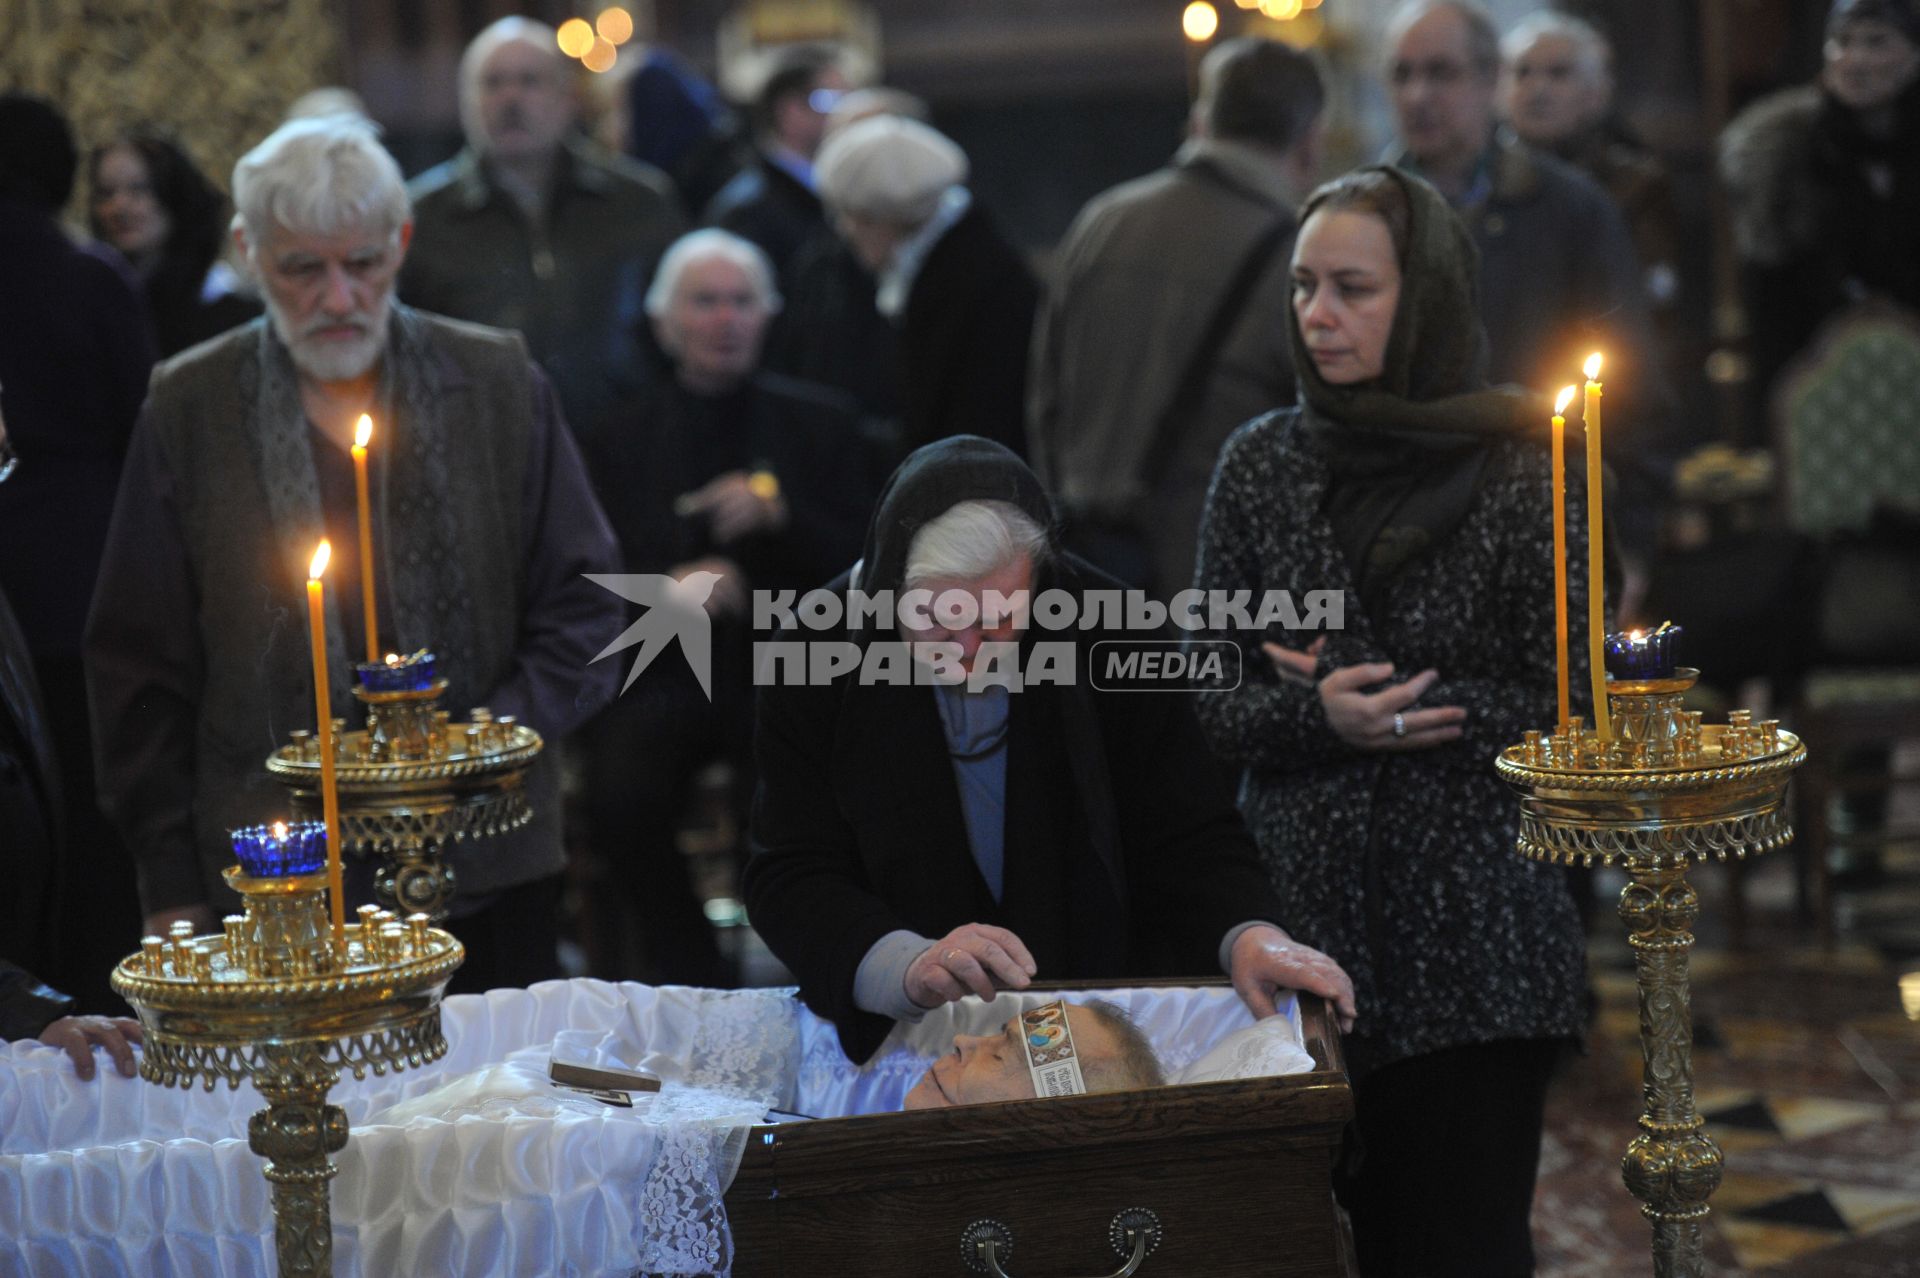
x,y
279,829
363,433
1636,635
1592,367
321,553
393,658
1561,400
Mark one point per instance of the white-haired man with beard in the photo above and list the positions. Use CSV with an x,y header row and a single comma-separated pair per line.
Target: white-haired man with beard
x,y
483,522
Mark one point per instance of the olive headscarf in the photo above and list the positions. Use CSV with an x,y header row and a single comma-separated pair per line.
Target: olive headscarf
x,y
1407,449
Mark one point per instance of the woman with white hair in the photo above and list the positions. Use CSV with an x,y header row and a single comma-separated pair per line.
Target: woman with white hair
x,y
713,466
917,841
959,294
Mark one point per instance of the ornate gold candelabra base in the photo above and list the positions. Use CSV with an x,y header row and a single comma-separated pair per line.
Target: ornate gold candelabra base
x,y
298,1134
412,785
1666,792
275,1000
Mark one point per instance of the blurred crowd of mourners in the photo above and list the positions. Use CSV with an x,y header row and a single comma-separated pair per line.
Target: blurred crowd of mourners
x,y
773,344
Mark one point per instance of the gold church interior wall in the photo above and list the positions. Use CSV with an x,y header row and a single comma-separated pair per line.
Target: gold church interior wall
x,y
219,74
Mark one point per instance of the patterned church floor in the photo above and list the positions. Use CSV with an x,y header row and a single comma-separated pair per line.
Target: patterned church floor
x,y
1806,1069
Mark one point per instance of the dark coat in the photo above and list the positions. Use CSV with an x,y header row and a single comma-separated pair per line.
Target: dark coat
x,y
1559,278
829,332
74,362
1824,216
964,338
1640,183
75,357
1558,274
1402,866
30,802
1124,856
673,441
187,316
768,205
572,285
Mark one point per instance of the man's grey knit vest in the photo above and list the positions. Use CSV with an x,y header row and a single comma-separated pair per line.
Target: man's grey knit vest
x,y
454,406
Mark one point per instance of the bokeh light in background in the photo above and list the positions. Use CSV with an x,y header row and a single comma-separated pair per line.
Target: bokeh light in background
x,y
1289,21
575,37
596,43
615,26
601,56
1200,21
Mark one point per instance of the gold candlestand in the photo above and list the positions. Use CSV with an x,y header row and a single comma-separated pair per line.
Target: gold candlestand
x,y
272,1000
412,784
1665,792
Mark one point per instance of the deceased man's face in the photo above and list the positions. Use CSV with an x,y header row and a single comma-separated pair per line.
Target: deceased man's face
x,y
985,1068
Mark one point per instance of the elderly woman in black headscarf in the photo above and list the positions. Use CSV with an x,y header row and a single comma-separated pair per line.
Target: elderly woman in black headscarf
x,y
918,841
1404,481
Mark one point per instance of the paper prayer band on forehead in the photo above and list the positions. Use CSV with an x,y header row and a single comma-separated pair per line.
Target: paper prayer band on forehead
x,y
1050,1056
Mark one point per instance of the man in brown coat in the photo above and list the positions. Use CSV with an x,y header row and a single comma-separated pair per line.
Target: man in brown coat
x,y
1165,326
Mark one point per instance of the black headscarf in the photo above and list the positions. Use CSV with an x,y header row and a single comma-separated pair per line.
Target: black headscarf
x,y
1407,449
931,481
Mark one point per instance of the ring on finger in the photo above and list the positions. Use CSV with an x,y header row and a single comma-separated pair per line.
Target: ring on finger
x,y
956,953
1399,724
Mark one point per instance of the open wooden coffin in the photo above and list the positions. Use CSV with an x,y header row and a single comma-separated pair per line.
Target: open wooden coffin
x,y
1237,1176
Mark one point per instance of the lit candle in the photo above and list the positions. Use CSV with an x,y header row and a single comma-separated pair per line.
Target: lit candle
x,y
414,672
1560,659
1642,654
362,435
1596,557
322,704
272,851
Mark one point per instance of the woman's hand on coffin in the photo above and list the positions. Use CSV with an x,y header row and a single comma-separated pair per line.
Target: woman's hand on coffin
x,y
1295,665
1265,960
77,1036
1383,720
975,958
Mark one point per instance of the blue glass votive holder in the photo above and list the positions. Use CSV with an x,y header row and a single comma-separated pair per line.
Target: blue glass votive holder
x,y
1644,654
414,672
283,849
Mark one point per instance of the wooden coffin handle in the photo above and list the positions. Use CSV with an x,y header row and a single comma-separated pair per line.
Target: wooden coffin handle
x,y
1134,1234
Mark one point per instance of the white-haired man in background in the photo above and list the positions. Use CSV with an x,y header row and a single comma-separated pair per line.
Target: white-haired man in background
x,y
716,467
533,227
483,522
1556,91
